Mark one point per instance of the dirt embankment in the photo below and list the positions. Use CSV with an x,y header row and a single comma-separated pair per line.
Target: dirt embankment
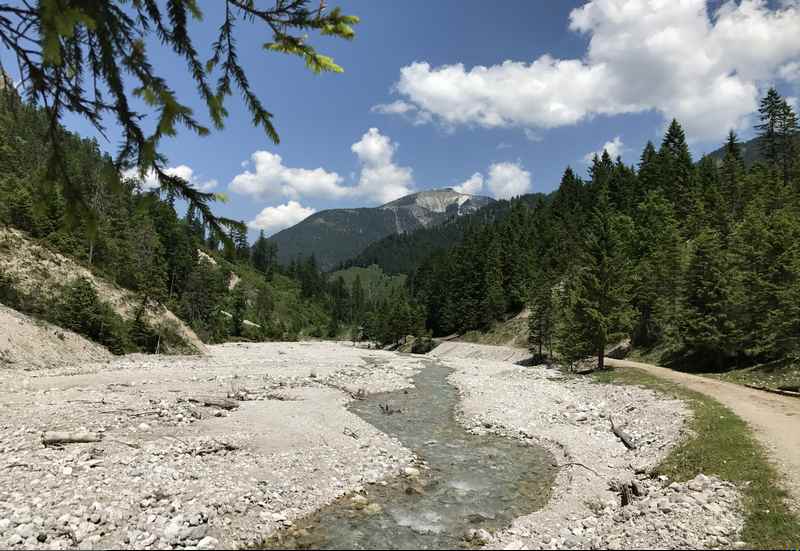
x,y
38,270
27,343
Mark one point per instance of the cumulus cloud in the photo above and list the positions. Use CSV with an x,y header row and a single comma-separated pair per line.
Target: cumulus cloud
x,y
150,181
614,147
472,185
273,219
380,179
673,57
270,178
508,180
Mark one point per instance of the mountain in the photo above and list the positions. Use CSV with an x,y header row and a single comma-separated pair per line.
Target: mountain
x,y
751,152
336,235
403,253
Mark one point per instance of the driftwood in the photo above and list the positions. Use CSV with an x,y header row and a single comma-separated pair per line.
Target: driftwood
x,y
213,401
55,438
350,432
625,495
575,463
626,439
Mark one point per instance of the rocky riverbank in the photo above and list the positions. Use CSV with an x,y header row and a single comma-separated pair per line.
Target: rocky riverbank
x,y
170,472
222,450
572,417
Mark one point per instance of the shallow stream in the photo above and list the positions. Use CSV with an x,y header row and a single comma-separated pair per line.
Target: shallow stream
x,y
472,482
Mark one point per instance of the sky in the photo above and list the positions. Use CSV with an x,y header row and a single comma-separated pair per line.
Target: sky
x,y
489,98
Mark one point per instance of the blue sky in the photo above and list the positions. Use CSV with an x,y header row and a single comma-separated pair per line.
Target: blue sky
x,y
612,72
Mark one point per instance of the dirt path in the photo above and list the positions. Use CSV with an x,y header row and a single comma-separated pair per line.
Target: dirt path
x,y
775,419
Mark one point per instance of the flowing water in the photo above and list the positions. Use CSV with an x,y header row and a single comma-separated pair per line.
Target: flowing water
x,y
473,481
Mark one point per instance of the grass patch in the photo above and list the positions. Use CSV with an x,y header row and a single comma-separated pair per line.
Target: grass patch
x,y
782,373
721,444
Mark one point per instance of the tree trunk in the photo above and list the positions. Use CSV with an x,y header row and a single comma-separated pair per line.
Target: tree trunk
x,y
601,360
50,438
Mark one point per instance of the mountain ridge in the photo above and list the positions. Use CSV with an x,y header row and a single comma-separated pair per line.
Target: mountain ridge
x,y
336,235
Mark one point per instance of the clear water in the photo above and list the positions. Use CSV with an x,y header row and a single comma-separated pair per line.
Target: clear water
x,y
473,481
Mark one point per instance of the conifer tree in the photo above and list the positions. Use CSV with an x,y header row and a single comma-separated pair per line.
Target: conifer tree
x,y
494,299
708,325
676,171
541,320
731,176
770,112
599,304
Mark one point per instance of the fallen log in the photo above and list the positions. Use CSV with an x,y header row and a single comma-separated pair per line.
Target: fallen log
x,y
56,437
212,401
619,433
774,390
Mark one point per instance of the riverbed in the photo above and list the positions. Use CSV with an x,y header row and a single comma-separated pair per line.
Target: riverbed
x,y
464,484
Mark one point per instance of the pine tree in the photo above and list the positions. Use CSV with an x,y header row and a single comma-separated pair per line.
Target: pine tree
x,y
659,261
648,177
708,324
599,305
264,255
731,176
239,307
787,133
494,298
770,112
541,320
676,176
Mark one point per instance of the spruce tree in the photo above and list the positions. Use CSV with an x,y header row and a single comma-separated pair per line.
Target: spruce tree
x,y
541,320
708,323
677,172
731,173
599,308
770,112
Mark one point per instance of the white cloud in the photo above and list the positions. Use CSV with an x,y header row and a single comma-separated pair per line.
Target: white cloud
x,y
380,179
150,181
532,136
503,145
404,109
270,178
472,185
615,148
398,107
790,72
273,219
673,57
508,180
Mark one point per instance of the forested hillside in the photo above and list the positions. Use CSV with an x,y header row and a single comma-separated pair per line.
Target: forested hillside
x,y
700,261
403,253
136,238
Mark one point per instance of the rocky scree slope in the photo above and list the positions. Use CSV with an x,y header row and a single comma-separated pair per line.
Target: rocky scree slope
x,y
28,343
36,270
336,235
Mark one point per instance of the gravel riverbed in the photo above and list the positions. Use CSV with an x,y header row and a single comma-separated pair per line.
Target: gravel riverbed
x,y
171,472
571,416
